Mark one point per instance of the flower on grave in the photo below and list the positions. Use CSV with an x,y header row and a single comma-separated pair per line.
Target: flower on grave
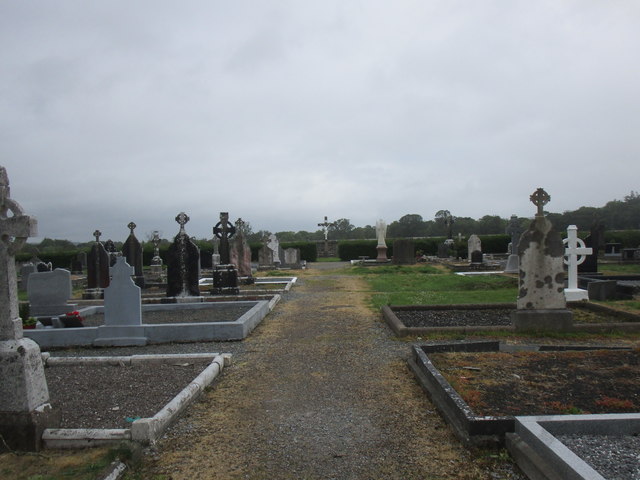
x,y
75,314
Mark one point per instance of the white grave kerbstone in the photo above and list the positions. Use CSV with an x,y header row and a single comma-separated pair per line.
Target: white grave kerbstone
x,y
24,397
575,253
49,293
122,309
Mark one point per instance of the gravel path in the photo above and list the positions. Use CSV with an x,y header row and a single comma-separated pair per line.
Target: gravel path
x,y
320,390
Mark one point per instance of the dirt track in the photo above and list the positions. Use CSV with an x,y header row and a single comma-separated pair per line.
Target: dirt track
x,y
322,392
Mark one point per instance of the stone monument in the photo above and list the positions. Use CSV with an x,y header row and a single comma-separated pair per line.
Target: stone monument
x,y
541,304
595,240
132,251
404,252
97,269
274,245
325,230
49,293
183,264
122,309
514,230
240,252
215,256
575,254
25,410
474,249
381,233
156,261
224,231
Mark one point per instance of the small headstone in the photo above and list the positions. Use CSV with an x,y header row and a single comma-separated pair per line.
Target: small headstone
x,y
183,263
404,252
132,251
156,261
514,230
49,293
292,258
97,265
25,411
265,257
474,249
224,231
613,250
122,309
541,303
381,248
215,256
26,270
477,257
240,252
225,280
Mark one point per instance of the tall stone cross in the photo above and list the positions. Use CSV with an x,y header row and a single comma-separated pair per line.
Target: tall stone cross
x,y
97,234
15,228
182,219
132,226
575,253
24,396
224,231
325,227
540,198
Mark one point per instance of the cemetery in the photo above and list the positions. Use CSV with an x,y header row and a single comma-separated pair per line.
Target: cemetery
x,y
514,355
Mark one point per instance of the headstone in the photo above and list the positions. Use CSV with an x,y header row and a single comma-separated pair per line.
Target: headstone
x,y
132,251
111,249
474,249
514,230
265,257
403,252
25,410
381,248
274,244
183,264
26,270
292,258
156,261
122,309
49,293
224,231
225,280
575,254
215,256
595,241
541,304
240,252
613,250
97,265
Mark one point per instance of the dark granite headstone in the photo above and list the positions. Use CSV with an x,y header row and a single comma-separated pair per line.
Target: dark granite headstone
x,y
224,231
477,257
225,280
404,252
595,241
132,252
97,265
110,247
240,252
183,264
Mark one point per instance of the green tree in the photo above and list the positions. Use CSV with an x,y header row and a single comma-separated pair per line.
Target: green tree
x,y
445,218
411,225
340,229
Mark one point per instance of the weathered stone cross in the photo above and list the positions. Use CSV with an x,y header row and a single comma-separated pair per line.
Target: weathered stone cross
x,y
540,198
182,219
15,228
575,253
97,234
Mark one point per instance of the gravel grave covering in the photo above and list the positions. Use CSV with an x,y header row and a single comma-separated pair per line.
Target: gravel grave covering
x,y
220,314
454,318
612,456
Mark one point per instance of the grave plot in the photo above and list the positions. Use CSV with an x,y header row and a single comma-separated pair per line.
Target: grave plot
x,y
480,387
105,400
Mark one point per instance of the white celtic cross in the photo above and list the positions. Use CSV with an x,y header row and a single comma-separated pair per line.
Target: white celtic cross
x,y
575,253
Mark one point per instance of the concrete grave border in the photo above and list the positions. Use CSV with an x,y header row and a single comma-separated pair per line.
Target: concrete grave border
x,y
541,455
630,322
471,429
145,430
164,333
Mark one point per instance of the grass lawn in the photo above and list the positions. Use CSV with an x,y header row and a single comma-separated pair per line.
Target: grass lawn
x,y
619,269
430,285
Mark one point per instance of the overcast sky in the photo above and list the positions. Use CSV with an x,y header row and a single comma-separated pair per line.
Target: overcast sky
x,y
282,112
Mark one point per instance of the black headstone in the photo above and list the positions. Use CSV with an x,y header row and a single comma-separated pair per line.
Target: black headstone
x,y
404,252
97,267
132,251
476,256
183,264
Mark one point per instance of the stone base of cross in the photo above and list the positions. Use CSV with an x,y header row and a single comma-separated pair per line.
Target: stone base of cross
x,y
575,253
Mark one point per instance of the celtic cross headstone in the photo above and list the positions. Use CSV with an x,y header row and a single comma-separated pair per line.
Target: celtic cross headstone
x,y
541,303
97,268
183,263
132,251
224,230
24,396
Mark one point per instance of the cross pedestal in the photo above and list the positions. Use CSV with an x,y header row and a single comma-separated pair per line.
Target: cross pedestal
x,y
24,397
575,253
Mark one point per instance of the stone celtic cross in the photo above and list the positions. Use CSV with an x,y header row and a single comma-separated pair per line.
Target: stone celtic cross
x,y
540,198
132,227
97,234
15,228
182,219
223,229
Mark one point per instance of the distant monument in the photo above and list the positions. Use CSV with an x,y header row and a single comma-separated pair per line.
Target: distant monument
x,y
132,252
224,230
514,230
381,248
183,264
541,303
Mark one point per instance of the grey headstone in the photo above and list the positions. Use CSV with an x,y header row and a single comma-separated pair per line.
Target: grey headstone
x,y
474,245
49,293
26,270
404,252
